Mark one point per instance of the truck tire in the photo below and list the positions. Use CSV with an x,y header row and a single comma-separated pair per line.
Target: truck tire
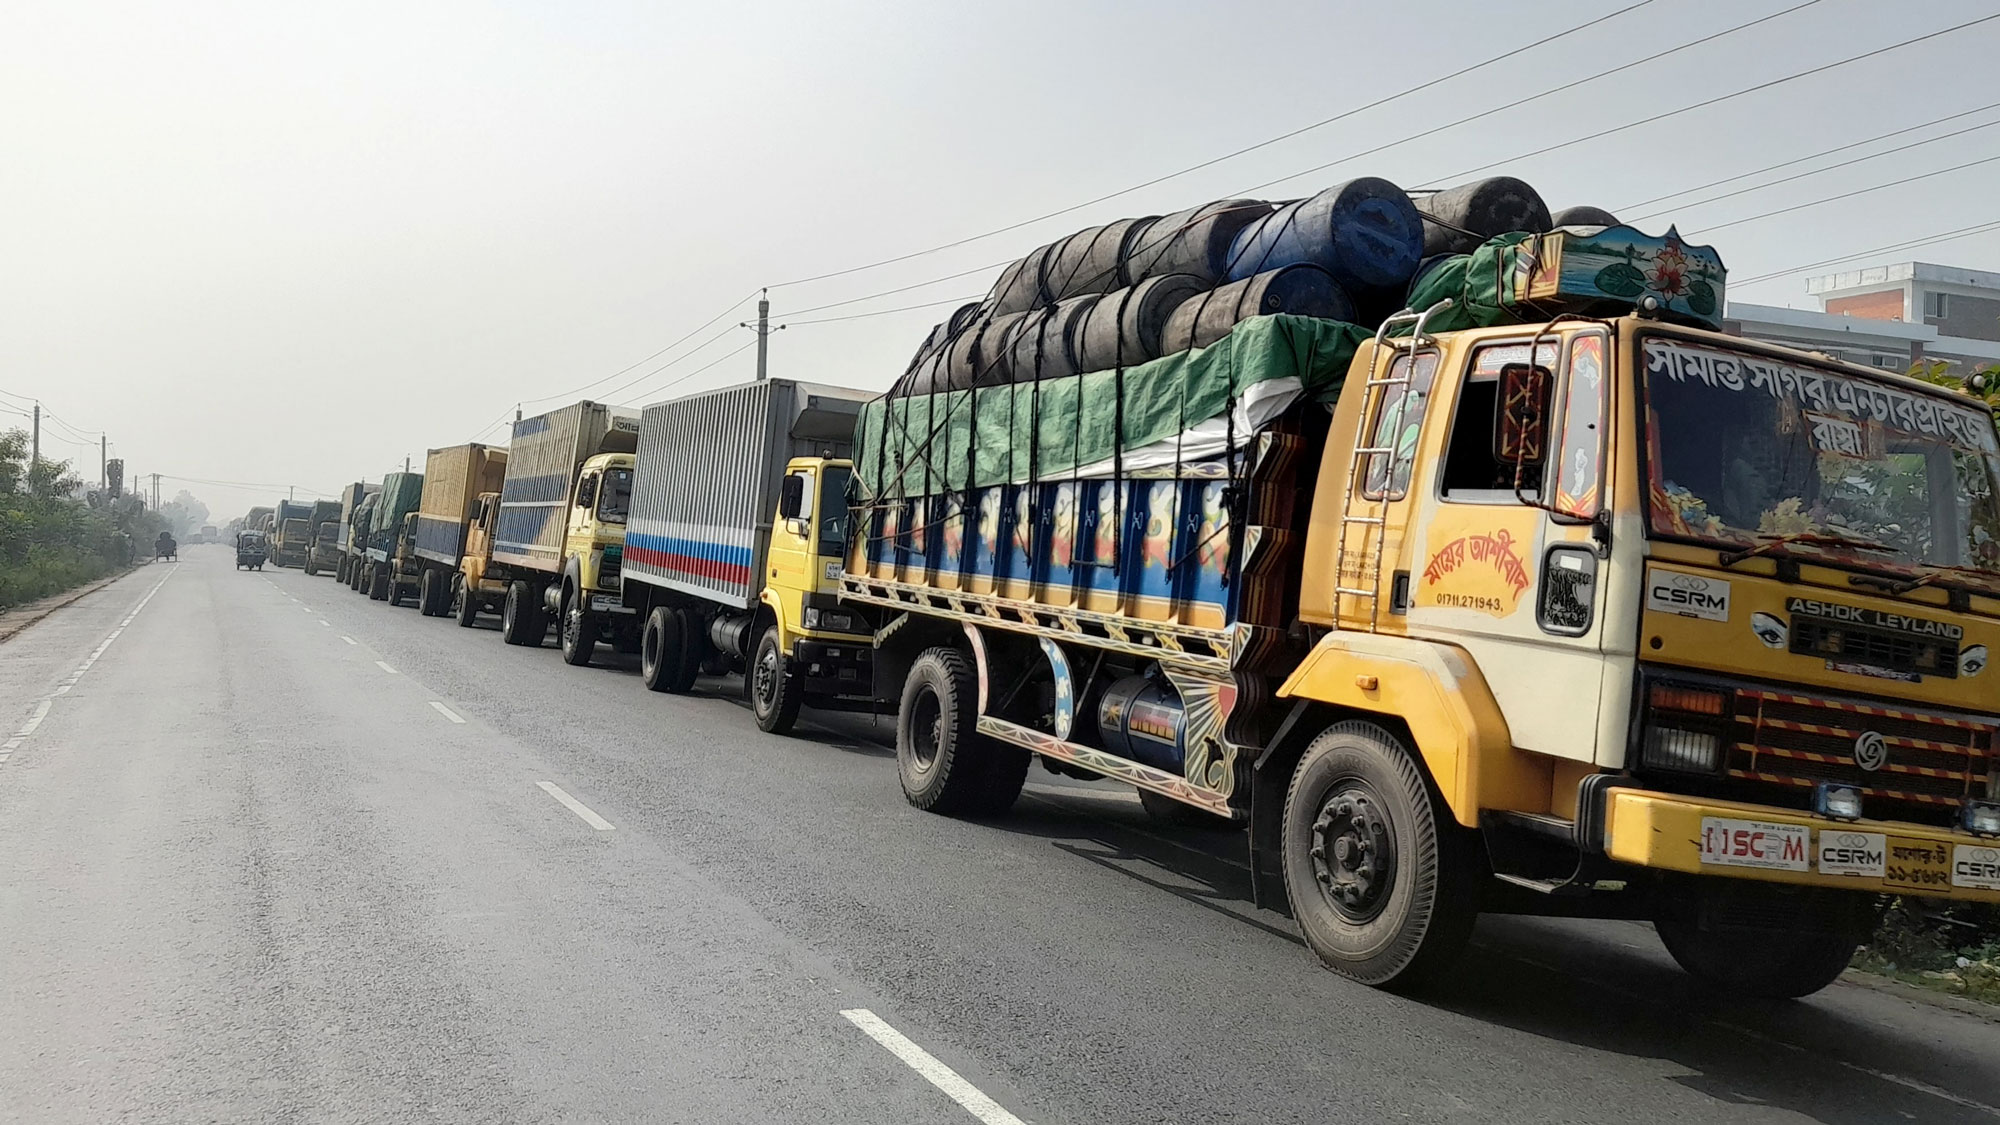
x,y
464,603
1383,882
1795,950
312,568
428,588
775,694
340,570
945,765
521,618
380,581
578,630
395,595
665,662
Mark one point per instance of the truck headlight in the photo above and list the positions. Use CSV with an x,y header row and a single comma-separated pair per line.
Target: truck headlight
x,y
1981,818
832,620
1685,727
1838,802
1690,751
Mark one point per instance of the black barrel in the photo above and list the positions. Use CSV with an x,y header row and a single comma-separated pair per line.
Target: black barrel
x,y
1126,326
1583,217
1306,290
1020,286
1039,347
942,333
977,356
1458,219
1195,241
1089,261
1365,232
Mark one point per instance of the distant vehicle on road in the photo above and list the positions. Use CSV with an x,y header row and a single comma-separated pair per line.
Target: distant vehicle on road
x,y
251,550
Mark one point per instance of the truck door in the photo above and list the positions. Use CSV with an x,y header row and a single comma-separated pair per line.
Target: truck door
x,y
1505,563
582,511
788,561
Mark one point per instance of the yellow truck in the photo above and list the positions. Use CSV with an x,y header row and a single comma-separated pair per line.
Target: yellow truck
x,y
1545,597
732,558
455,477
546,548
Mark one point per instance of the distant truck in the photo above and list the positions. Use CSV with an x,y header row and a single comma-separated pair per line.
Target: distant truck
x,y
291,533
326,552
359,523
732,556
350,503
258,519
454,479
381,562
549,543
209,535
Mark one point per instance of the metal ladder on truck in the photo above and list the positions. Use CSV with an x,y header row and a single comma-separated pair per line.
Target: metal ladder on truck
x,y
1357,468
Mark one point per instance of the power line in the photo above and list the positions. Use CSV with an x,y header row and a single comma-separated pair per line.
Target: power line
x,y
1813,156
1518,102
711,363
1717,100
1910,244
678,342
892,292
884,312
1379,102
1705,231
1814,172
682,358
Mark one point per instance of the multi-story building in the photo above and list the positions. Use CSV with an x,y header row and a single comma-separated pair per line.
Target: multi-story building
x,y
1889,316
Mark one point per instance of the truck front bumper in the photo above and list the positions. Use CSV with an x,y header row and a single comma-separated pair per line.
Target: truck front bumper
x,y
1667,832
835,667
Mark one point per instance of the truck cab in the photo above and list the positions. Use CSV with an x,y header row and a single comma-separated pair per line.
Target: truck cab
x,y
587,602
813,649
472,590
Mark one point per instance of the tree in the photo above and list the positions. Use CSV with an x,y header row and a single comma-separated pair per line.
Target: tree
x,y
184,514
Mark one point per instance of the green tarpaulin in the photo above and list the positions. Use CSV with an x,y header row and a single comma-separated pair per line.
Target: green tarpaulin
x,y
1478,285
973,439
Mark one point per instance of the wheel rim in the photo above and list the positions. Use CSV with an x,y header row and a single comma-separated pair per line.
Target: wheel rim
x,y
1354,852
926,729
766,681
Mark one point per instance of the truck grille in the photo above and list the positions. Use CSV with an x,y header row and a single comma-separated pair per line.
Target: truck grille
x,y
1934,761
1879,648
608,567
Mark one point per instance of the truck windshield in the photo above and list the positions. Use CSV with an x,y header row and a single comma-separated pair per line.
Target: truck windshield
x,y
833,510
614,499
1744,449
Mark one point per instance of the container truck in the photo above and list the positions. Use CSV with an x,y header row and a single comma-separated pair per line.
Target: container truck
x,y
291,533
553,534
732,556
357,542
454,479
382,562
350,499
1545,597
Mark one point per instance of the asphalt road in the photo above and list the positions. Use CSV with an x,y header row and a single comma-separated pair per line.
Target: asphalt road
x,y
280,853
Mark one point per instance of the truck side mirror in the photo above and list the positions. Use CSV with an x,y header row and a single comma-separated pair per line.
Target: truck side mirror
x,y
792,497
1520,426
586,492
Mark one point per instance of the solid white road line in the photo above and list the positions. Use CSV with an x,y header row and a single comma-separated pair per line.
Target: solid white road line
x,y
349,640
43,704
385,667
446,711
576,806
936,1073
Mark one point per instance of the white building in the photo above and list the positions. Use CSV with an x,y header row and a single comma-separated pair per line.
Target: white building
x,y
1888,316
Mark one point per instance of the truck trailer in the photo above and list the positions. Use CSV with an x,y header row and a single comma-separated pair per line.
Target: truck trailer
x,y
1545,596
454,479
732,556
383,559
555,529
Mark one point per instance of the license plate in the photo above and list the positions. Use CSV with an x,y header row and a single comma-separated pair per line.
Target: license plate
x,y
1917,865
1755,843
601,604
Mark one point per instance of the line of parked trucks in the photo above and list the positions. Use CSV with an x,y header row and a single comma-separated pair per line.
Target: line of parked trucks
x,y
1542,595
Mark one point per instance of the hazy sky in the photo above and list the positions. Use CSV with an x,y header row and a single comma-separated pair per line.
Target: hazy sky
x,y
292,243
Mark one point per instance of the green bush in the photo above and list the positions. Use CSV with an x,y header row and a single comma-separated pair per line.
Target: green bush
x,y
54,535
1950,947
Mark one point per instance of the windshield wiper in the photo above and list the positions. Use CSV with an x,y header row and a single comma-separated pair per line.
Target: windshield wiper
x,y
1934,576
1810,538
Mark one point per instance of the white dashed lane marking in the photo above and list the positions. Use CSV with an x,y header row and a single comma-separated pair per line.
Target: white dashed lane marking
x,y
955,1087
43,705
576,806
446,711
384,665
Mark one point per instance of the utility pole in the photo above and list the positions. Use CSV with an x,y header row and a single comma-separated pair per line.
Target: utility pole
x,y
103,452
35,457
291,490
763,329
406,463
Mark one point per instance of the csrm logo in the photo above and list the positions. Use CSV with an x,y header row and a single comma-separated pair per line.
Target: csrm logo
x,y
1850,840
1871,751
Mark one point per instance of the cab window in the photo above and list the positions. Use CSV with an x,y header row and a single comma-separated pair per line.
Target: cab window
x,y
1473,472
1399,418
614,501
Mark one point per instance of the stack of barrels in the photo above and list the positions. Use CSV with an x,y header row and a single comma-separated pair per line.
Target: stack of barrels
x,y
1127,292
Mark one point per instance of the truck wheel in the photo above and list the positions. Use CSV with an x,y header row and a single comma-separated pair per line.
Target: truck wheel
x,y
521,620
340,570
395,594
312,569
663,651
464,603
1803,952
427,593
579,631
945,765
380,582
1383,883
775,693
